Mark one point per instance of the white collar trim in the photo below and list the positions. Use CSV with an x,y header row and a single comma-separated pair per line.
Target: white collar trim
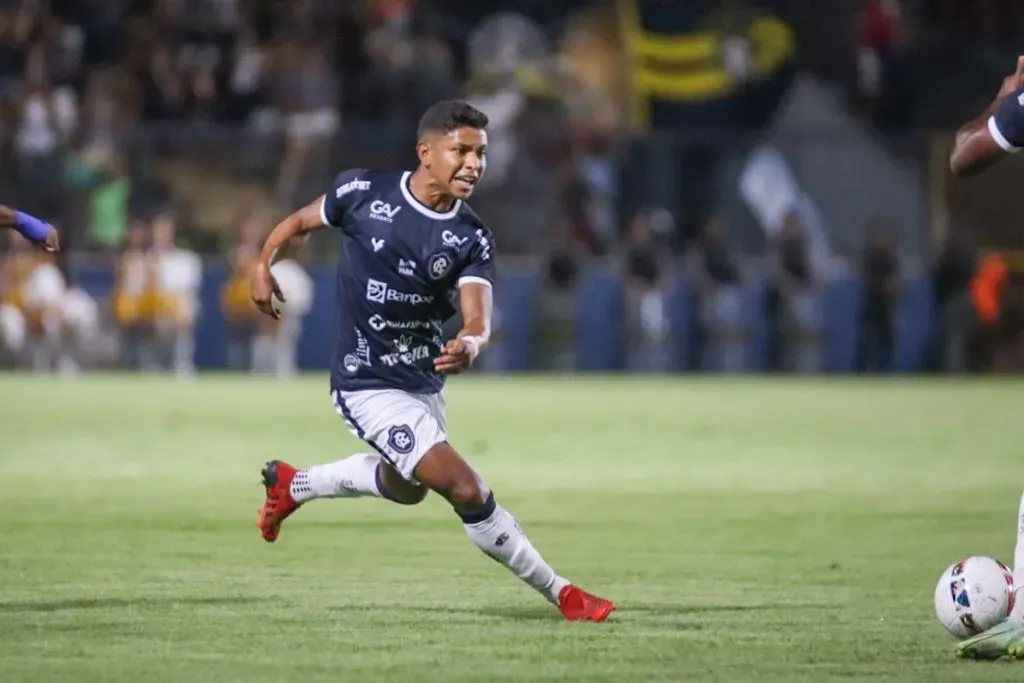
x,y
418,205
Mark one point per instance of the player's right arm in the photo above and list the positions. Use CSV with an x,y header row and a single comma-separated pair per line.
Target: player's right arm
x,y
326,210
998,132
262,285
31,228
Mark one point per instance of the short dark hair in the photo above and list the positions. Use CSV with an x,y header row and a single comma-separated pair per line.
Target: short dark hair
x,y
446,116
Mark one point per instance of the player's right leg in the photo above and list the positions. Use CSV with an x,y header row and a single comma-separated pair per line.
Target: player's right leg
x,y
1007,638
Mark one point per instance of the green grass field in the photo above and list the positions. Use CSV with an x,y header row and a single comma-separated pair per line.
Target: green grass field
x,y
750,530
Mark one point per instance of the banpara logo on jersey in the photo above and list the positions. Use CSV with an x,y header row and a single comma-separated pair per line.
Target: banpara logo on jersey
x,y
379,292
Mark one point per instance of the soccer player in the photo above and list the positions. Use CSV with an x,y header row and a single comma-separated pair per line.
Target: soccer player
x,y
980,143
1005,639
31,228
998,132
413,249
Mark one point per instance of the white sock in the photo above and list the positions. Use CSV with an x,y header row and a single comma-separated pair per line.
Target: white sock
x,y
500,537
353,477
184,350
1018,566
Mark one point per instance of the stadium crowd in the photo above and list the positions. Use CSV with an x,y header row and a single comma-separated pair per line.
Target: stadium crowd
x,y
156,133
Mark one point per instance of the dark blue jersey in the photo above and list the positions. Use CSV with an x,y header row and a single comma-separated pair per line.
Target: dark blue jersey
x,y
1007,124
399,272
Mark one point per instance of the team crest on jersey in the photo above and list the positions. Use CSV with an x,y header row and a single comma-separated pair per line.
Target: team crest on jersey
x,y
439,265
401,439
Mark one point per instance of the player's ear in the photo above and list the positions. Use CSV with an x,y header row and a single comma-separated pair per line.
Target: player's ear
x,y
423,152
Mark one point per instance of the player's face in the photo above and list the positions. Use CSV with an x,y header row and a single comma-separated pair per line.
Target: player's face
x,y
457,160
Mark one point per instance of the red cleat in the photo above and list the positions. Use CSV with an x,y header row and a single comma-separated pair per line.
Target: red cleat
x,y
578,605
277,477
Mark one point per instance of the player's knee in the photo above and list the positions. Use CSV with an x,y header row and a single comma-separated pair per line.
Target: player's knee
x,y
412,495
397,489
467,493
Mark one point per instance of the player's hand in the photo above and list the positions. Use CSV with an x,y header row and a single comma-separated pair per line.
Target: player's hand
x,y
263,288
455,357
51,242
1013,82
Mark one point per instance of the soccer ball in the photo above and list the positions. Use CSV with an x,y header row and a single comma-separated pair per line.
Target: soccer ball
x,y
973,595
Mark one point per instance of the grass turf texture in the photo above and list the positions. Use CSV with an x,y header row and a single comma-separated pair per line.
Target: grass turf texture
x,y
750,530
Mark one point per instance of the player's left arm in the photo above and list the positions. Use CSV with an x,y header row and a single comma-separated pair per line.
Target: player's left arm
x,y
476,304
31,228
998,132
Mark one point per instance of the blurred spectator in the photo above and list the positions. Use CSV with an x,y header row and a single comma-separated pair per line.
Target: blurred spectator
x,y
988,288
165,95
48,116
557,312
1009,353
131,300
176,280
881,277
647,322
242,317
793,305
882,62
305,89
722,329
951,276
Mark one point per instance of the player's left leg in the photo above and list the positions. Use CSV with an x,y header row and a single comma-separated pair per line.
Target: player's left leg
x,y
1007,638
499,536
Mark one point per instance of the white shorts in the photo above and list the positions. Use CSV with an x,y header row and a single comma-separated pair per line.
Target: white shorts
x,y
400,426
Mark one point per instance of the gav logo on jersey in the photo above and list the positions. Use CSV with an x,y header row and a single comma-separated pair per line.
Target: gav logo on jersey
x,y
382,211
379,292
439,265
450,239
379,324
406,353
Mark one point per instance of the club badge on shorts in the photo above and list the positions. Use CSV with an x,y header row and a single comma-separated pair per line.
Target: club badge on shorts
x,y
401,440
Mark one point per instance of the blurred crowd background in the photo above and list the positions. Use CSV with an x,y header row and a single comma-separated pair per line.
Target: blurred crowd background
x,y
708,185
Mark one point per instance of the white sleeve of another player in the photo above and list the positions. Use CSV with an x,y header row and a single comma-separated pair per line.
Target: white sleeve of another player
x,y
997,135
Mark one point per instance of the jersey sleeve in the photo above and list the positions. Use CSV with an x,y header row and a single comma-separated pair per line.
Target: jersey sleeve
x,y
344,193
1007,125
479,265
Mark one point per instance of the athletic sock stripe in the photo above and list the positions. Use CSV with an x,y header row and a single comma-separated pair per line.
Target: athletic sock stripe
x,y
346,414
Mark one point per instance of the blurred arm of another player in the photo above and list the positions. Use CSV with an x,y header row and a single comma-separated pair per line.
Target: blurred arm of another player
x,y
31,228
476,301
998,132
263,286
